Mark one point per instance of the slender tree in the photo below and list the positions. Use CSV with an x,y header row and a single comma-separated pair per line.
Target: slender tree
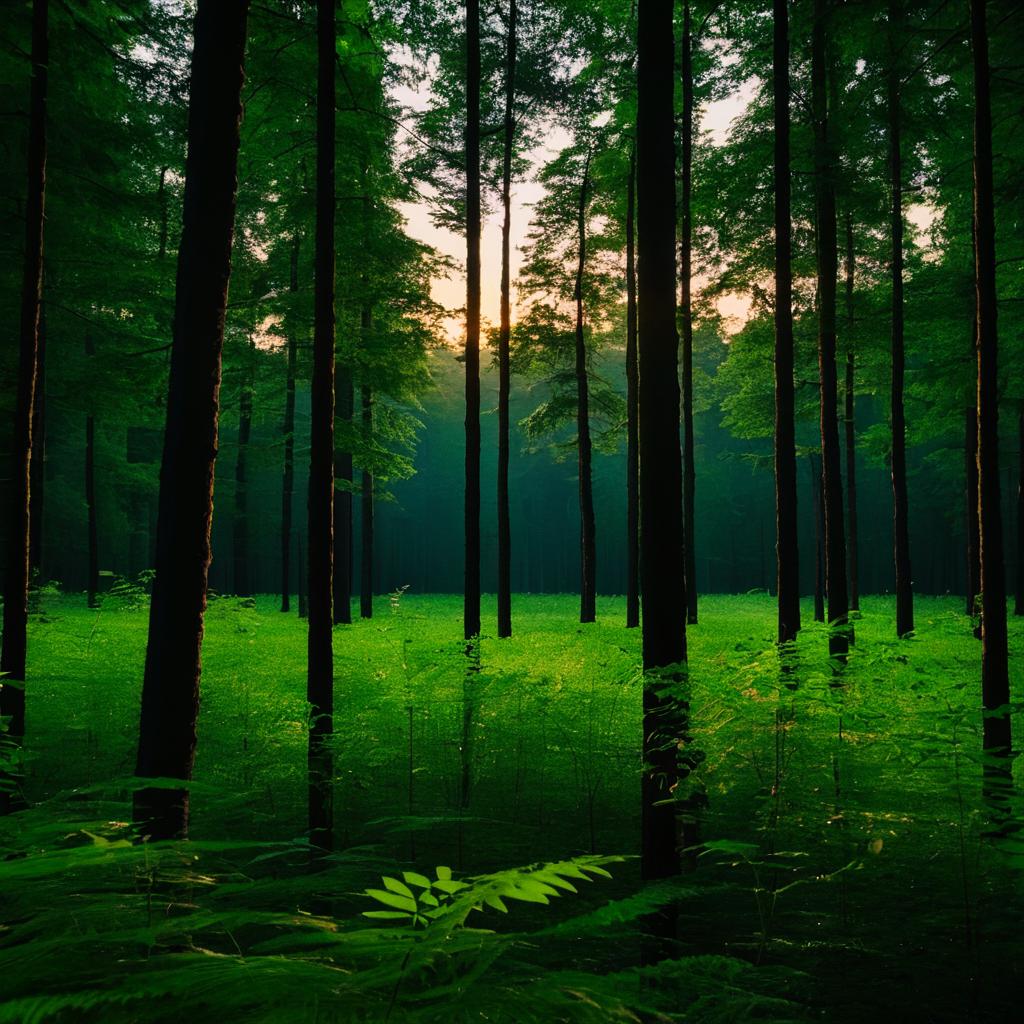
x,y
366,499
16,572
92,528
632,411
827,266
665,716
995,678
243,587
850,424
971,498
170,689
344,408
288,433
320,656
1018,604
898,453
786,544
504,332
818,501
37,469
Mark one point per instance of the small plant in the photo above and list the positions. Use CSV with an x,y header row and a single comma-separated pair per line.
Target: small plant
x,y
395,598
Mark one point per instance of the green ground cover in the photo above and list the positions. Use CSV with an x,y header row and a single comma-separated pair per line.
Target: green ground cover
x,y
850,871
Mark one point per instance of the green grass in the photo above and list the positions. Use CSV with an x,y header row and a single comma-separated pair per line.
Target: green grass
x,y
846,828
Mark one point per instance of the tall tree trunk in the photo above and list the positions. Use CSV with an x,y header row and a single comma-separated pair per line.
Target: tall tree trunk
x,y
632,412
471,600
288,430
686,304
850,423
170,689
320,655
366,562
16,574
665,715
344,407
819,539
827,266
995,679
504,335
588,546
37,470
243,586
92,531
973,526
898,459
1018,604
787,547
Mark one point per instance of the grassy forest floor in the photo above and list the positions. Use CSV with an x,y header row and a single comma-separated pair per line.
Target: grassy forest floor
x,y
850,872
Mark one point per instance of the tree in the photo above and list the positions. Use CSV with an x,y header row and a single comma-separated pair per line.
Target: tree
x,y
632,410
661,529
288,435
170,689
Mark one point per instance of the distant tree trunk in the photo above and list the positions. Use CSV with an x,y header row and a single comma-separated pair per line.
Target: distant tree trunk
x,y
16,573
588,546
320,656
819,540
1018,604
92,532
471,601
504,335
850,423
632,412
898,460
666,716
973,526
827,265
170,689
366,562
344,407
686,303
303,589
787,546
288,430
995,679
243,587
37,470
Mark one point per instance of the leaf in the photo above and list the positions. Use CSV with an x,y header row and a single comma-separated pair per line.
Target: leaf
x,y
399,887
416,879
387,915
444,874
392,899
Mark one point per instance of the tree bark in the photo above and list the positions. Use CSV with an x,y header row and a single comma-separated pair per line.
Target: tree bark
x,y
344,408
850,423
16,573
320,655
471,600
288,430
37,470
827,265
1018,604
92,531
366,561
686,304
170,689
898,458
632,412
504,336
787,548
665,712
995,680
819,539
588,546
243,587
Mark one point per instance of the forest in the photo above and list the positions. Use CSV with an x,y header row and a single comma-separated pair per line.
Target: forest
x,y
511,511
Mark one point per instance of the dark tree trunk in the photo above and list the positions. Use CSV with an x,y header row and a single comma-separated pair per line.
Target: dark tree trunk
x,y
366,561
16,573
303,594
170,689
320,656
92,531
243,587
588,545
344,406
1018,604
973,527
786,544
819,540
995,680
898,459
827,268
288,430
504,335
686,311
471,601
666,716
37,471
850,423
632,412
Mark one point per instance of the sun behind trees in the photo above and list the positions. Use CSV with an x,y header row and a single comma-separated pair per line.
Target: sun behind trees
x,y
519,317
